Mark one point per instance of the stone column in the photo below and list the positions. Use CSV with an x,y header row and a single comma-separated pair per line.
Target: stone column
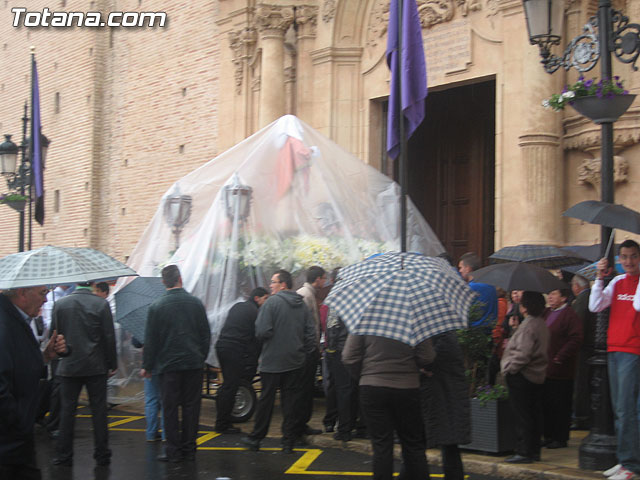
x,y
306,20
272,22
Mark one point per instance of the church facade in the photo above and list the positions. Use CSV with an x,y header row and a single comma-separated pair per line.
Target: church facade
x,y
131,110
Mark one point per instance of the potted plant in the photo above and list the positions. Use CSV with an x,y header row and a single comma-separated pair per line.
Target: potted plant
x,y
491,416
601,101
14,200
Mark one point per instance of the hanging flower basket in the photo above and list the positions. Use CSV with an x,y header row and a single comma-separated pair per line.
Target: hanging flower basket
x,y
602,109
14,200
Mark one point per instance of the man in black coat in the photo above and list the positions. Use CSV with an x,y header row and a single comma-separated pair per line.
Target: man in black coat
x,y
176,345
85,319
21,371
237,348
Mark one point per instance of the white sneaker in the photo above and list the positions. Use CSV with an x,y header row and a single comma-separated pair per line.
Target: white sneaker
x,y
622,474
612,470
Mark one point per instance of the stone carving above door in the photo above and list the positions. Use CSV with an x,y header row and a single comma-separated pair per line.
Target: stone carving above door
x,y
328,10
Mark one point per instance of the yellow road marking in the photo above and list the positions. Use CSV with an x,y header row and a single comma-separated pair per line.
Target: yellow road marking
x,y
205,438
125,420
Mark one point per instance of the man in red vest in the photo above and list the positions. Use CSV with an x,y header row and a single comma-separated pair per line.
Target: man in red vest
x,y
623,357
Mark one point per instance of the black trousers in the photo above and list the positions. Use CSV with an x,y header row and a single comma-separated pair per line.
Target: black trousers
x,y
290,386
557,397
331,402
308,380
53,420
346,392
525,401
70,388
388,409
181,391
232,365
452,466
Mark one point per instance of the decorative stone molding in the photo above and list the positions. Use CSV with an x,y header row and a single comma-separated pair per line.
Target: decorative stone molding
x,y
582,134
589,171
306,19
242,43
433,12
273,19
328,10
467,6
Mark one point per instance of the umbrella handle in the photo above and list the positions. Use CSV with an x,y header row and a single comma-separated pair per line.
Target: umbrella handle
x,y
611,237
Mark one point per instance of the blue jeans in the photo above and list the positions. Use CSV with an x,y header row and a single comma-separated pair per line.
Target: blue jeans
x,y
624,383
152,407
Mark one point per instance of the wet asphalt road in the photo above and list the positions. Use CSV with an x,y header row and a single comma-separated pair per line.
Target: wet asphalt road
x,y
218,456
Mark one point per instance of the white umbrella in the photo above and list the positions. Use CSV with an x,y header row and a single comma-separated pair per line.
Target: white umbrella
x,y
59,265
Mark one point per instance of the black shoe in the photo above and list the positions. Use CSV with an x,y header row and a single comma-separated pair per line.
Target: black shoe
x,y
228,430
545,442
342,436
103,462
518,459
301,442
53,434
62,462
157,438
165,458
329,428
287,449
251,443
361,434
556,444
311,431
536,457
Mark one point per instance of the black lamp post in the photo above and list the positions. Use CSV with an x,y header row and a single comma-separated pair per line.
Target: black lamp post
x,y
18,175
607,33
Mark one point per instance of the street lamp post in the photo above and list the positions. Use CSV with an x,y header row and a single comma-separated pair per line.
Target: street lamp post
x,y
607,33
18,175
177,212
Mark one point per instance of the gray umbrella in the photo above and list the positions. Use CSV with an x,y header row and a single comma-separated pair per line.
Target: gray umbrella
x,y
59,265
545,256
518,276
606,214
132,303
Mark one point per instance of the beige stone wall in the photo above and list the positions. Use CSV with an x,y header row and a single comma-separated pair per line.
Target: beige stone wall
x,y
142,107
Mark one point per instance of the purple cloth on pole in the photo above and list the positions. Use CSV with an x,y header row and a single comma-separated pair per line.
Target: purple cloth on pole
x,y
413,74
36,147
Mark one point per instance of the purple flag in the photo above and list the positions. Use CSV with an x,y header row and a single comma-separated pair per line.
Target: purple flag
x,y
36,148
411,76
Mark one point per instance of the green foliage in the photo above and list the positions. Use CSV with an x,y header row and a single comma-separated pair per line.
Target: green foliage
x,y
607,88
12,197
485,393
476,345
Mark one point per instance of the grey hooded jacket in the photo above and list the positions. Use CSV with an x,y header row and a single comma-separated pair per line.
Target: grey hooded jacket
x,y
285,327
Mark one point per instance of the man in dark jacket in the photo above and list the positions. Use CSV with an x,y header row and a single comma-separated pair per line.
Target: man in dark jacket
x,y
177,338
21,371
85,320
237,348
288,335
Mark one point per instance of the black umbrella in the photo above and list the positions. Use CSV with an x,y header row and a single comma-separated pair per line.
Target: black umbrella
x,y
132,303
518,276
606,214
545,256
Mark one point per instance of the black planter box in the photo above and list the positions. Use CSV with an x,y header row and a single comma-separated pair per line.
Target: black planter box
x,y
492,427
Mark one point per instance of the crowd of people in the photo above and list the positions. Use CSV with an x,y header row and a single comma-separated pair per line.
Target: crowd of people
x,y
375,387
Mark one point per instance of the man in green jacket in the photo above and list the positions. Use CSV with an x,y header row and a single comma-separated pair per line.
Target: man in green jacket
x,y
177,338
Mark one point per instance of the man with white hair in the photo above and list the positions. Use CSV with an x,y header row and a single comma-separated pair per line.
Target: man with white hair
x,y
21,369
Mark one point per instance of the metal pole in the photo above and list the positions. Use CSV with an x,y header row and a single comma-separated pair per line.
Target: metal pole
x,y
32,143
598,449
21,170
402,157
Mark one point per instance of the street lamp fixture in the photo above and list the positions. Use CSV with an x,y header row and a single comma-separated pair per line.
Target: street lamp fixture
x,y
606,34
8,156
177,212
237,199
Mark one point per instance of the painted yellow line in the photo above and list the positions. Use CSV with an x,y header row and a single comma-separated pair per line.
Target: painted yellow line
x,y
128,429
125,420
206,437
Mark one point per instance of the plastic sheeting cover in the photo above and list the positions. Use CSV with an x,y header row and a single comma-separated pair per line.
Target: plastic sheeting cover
x,y
286,197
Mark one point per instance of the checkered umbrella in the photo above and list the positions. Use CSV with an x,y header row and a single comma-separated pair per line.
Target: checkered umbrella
x,y
58,265
402,296
545,256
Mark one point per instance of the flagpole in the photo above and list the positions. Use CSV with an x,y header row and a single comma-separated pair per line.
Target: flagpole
x,y
402,157
31,146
